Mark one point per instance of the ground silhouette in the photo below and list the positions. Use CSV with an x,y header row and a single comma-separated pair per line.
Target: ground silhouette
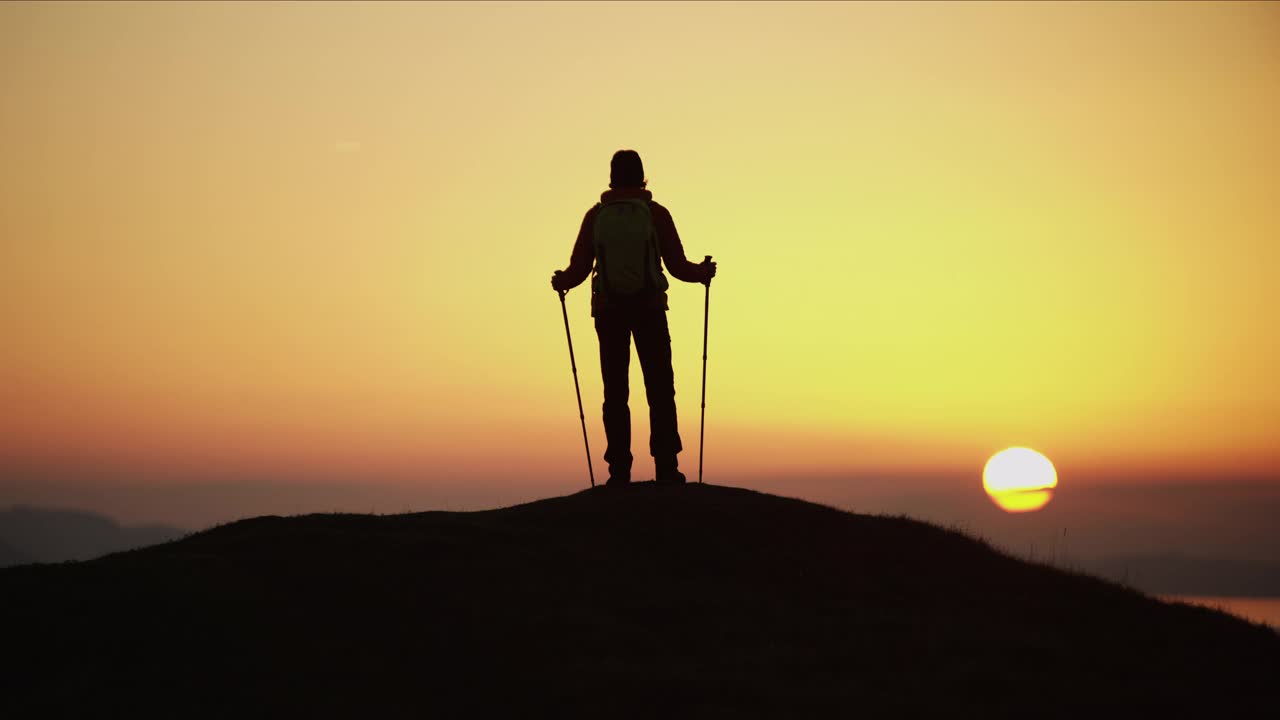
x,y
688,600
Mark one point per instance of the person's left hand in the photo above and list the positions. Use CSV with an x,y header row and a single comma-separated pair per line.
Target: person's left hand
x,y
557,281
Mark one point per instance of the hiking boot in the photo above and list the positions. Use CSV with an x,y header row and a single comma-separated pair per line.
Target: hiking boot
x,y
670,477
618,478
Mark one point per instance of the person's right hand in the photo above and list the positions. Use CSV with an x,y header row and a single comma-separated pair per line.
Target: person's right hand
x,y
709,267
557,281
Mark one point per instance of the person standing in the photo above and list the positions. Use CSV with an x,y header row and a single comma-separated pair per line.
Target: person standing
x,y
625,239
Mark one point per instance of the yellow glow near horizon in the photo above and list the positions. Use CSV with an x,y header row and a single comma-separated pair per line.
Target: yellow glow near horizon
x,y
318,236
1019,479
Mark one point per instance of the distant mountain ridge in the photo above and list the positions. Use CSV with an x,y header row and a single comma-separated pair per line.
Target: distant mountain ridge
x,y
11,556
689,601
46,535
1174,573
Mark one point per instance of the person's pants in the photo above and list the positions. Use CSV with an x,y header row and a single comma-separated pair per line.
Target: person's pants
x,y
615,327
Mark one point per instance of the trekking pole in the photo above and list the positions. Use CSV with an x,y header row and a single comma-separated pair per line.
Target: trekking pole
x,y
573,364
702,426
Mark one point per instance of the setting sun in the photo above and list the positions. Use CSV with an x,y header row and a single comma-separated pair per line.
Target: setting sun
x,y
1019,479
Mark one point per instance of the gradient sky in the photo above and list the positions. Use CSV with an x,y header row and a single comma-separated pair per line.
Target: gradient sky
x,y
313,241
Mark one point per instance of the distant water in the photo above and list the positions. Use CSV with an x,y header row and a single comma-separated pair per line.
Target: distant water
x,y
1265,610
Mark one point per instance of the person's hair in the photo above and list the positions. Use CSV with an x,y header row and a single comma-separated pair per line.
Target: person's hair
x,y
626,170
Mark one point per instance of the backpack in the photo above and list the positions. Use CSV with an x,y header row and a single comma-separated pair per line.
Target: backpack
x,y
626,246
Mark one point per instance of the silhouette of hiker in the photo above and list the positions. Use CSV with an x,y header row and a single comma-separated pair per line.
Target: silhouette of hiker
x,y
624,235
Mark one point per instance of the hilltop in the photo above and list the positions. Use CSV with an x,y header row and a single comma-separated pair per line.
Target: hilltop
x,y
696,600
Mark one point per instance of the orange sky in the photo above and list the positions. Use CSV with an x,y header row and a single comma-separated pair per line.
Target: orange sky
x,y
315,239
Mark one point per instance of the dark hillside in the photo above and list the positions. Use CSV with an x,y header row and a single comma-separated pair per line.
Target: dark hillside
x,y
697,600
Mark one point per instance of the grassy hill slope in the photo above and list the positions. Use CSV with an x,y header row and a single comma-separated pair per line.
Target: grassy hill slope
x,y
696,600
